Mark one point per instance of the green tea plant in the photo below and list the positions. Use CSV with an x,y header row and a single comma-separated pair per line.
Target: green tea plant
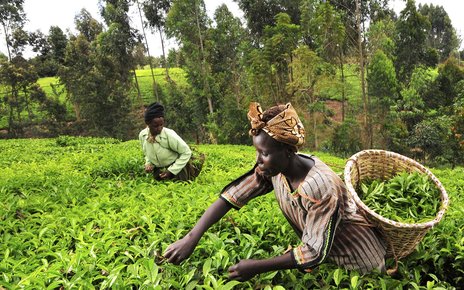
x,y
406,197
81,213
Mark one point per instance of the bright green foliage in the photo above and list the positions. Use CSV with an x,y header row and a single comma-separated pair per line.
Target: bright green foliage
x,y
411,106
408,198
327,30
226,39
383,89
381,36
177,75
80,213
310,72
382,82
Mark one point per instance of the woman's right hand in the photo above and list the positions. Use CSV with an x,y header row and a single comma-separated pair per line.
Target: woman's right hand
x,y
180,250
149,167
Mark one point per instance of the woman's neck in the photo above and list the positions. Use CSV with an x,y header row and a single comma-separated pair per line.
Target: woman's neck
x,y
297,170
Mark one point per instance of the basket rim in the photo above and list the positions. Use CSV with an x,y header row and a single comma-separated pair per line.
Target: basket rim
x,y
351,162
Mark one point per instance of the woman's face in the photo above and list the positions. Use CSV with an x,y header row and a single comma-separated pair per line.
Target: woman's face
x,y
271,156
156,125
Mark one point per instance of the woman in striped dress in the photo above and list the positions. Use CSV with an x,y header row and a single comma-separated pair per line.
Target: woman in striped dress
x,y
311,196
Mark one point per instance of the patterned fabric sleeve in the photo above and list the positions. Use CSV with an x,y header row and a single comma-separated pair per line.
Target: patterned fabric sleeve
x,y
250,185
318,233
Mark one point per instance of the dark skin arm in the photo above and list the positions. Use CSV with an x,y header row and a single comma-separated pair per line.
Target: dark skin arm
x,y
243,270
247,269
183,248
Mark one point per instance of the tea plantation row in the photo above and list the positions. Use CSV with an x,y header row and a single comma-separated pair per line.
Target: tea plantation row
x,y
80,213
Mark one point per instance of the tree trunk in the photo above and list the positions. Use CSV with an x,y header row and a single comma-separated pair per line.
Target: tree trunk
x,y
77,111
203,66
6,41
166,66
315,131
342,70
139,95
155,87
361,67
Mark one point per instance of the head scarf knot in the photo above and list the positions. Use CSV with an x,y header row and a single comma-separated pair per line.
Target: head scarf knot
x,y
285,127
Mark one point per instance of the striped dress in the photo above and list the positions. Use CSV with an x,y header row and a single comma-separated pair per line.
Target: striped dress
x,y
322,215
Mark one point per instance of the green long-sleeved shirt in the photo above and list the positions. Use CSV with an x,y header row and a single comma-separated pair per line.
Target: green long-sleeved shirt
x,y
168,150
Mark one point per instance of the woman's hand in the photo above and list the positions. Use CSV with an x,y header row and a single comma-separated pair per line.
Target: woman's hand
x,y
180,250
247,269
166,175
244,270
149,167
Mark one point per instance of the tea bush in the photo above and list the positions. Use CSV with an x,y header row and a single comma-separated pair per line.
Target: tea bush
x,y
80,213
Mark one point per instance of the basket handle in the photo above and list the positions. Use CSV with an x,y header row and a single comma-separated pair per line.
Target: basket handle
x,y
357,165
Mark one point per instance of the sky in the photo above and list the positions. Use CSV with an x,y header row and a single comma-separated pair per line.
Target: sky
x,y
41,17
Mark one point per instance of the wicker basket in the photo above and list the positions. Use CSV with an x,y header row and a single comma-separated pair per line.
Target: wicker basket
x,y
401,238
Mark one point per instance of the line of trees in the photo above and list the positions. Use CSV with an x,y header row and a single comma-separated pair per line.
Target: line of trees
x,y
362,76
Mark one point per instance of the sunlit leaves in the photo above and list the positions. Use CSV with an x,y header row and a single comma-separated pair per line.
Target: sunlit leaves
x,y
81,213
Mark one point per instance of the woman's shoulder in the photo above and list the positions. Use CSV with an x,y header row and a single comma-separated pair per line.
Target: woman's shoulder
x,y
168,131
144,132
318,163
306,155
320,168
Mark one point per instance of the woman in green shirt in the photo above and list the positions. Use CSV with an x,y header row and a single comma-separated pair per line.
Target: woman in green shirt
x,y
167,155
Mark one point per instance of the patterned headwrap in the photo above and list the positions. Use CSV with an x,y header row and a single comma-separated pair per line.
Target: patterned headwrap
x,y
285,127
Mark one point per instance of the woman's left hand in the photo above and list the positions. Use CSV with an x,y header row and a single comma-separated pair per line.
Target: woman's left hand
x,y
244,270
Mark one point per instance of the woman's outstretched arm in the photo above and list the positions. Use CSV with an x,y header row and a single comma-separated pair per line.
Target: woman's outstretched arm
x,y
247,269
183,248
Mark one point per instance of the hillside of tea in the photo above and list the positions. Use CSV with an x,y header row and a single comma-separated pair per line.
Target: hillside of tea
x,y
80,213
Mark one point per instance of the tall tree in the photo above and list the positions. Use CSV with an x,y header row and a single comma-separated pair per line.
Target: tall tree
x,y
309,72
323,24
87,26
442,35
147,49
19,78
58,41
369,12
188,23
383,88
261,13
366,114
411,30
156,13
51,49
228,74
411,106
78,74
115,62
11,17
270,65
381,35
98,70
